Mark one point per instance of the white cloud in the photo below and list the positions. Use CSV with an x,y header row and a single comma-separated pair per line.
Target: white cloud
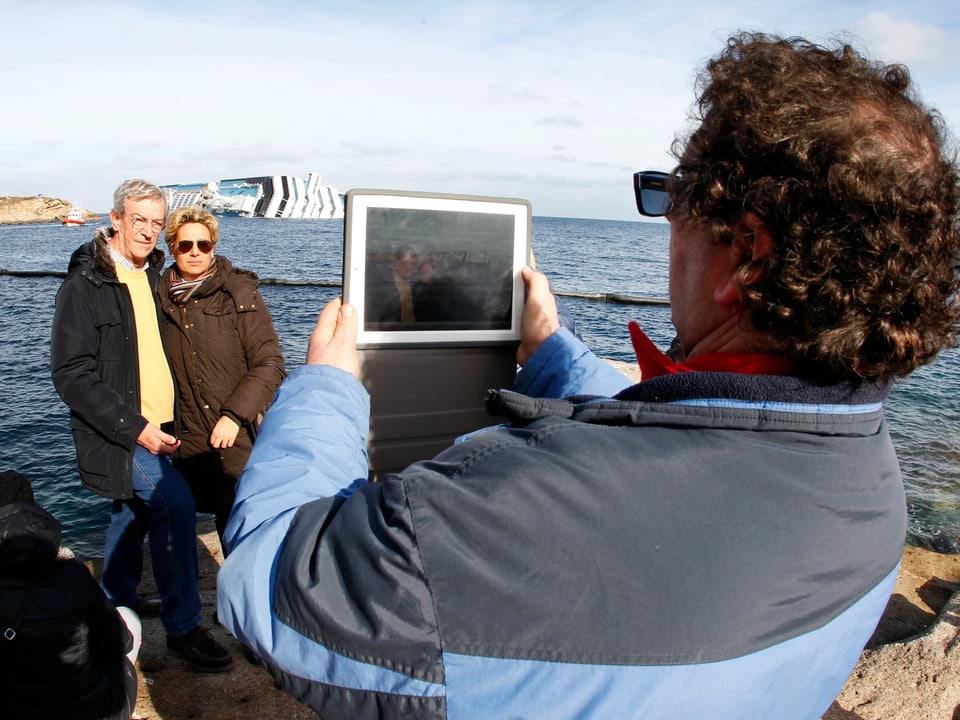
x,y
921,46
929,50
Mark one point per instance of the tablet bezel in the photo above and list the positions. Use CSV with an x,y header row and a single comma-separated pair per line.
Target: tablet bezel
x,y
358,201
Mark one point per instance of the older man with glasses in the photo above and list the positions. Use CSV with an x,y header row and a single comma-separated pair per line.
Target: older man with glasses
x,y
110,367
717,540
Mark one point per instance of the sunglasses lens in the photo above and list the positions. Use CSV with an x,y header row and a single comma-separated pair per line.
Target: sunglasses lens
x,y
653,199
185,246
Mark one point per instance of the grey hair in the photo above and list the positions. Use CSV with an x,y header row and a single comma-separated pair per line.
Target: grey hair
x,y
136,190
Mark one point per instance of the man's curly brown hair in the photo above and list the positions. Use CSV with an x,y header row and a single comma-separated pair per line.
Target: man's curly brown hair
x,y
854,180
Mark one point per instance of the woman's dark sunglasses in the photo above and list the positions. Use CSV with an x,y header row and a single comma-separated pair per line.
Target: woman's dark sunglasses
x,y
650,187
185,246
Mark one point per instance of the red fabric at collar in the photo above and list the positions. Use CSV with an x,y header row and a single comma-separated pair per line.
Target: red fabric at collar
x,y
654,363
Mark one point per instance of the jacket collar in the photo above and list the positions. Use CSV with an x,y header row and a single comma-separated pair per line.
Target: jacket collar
x,y
654,363
95,256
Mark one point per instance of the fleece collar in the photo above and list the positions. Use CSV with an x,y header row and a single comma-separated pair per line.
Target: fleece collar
x,y
654,363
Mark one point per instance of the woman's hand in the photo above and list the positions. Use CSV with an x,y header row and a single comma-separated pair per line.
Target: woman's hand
x,y
224,433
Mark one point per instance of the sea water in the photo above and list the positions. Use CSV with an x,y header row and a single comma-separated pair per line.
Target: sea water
x,y
299,262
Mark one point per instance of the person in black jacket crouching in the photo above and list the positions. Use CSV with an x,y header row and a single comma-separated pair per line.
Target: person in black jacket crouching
x,y
65,651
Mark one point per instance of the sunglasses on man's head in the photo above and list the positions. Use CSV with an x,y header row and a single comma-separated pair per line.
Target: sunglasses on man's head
x,y
650,187
185,246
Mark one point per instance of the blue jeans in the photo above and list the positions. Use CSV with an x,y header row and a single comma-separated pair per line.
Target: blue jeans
x,y
163,508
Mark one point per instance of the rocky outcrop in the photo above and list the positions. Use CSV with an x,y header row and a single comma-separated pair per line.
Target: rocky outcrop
x,y
910,669
18,210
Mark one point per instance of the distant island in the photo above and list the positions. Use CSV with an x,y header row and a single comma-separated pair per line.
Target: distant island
x,y
35,209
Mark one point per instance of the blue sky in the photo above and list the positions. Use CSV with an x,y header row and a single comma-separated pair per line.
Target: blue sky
x,y
556,102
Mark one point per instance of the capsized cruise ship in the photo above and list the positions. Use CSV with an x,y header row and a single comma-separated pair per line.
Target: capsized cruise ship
x,y
270,196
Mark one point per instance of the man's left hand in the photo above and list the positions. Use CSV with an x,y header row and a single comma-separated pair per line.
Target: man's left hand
x,y
540,316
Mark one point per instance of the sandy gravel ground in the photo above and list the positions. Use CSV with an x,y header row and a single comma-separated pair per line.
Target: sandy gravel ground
x,y
911,668
169,689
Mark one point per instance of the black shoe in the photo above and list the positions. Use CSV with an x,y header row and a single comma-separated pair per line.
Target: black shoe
x,y
146,607
199,649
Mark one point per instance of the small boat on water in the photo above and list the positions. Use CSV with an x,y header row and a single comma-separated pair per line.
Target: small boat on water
x,y
75,217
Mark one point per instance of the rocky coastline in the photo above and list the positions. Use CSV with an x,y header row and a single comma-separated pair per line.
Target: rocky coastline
x,y
36,209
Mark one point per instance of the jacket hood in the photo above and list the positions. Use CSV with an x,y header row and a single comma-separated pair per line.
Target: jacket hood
x,y
29,538
96,254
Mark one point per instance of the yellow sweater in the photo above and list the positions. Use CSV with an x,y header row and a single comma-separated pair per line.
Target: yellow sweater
x,y
156,381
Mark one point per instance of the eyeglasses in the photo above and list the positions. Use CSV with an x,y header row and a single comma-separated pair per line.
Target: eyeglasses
x,y
653,197
139,222
185,246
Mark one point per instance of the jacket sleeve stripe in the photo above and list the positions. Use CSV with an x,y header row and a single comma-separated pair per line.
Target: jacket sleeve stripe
x,y
482,687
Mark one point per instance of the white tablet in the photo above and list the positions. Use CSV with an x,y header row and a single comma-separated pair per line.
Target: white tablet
x,y
436,282
435,269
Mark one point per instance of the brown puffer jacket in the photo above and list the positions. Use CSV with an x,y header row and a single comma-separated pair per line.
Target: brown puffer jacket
x,y
227,360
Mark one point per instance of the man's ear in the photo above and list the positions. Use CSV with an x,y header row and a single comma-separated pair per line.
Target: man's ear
x,y
752,243
753,234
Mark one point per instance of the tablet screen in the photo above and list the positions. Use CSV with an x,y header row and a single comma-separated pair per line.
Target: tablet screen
x,y
425,268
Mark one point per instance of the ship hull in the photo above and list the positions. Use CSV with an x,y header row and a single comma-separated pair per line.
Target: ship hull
x,y
273,196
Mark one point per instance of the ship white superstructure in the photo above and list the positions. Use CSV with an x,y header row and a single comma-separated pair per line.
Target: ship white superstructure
x,y
272,196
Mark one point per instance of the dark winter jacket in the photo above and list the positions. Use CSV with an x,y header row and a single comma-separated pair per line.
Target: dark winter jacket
x,y
62,643
226,357
93,357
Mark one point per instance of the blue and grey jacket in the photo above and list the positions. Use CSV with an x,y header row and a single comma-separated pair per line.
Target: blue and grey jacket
x,y
699,545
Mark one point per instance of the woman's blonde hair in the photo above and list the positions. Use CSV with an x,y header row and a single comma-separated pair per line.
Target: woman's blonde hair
x,y
184,216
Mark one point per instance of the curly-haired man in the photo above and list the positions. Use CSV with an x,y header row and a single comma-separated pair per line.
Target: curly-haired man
x,y
717,540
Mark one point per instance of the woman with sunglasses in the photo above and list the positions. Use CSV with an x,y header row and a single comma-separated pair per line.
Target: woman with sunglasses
x,y
225,355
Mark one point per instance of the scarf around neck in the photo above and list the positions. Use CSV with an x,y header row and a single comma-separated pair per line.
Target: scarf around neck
x,y
182,290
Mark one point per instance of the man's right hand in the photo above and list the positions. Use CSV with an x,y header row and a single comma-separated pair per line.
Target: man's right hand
x,y
540,319
157,441
334,339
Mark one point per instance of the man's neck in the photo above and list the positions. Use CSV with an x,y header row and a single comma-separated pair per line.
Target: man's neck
x,y
122,260
734,335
